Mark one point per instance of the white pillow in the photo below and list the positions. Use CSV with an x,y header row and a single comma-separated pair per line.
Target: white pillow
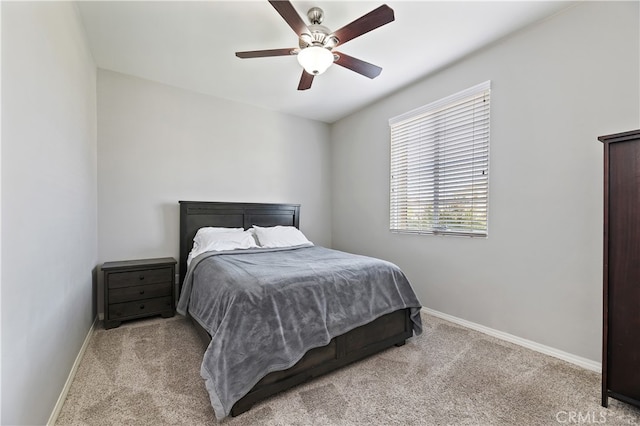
x,y
203,233
220,239
280,236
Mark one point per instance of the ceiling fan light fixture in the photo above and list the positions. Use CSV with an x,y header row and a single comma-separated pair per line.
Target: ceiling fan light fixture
x,y
317,42
315,59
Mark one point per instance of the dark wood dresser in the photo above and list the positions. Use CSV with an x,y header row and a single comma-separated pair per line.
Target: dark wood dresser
x,y
138,288
621,322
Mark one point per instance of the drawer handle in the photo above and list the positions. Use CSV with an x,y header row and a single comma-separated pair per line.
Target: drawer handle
x,y
141,306
141,277
141,291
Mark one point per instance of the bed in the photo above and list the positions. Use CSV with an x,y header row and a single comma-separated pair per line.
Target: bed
x,y
319,354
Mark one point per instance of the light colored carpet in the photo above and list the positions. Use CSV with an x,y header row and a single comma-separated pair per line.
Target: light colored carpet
x,y
147,373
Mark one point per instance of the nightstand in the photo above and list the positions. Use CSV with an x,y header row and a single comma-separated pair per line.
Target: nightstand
x,y
138,288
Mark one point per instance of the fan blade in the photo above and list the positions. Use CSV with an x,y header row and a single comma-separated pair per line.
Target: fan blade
x,y
358,65
305,81
265,53
289,14
372,20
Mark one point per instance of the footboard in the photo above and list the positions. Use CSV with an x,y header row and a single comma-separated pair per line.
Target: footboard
x,y
382,333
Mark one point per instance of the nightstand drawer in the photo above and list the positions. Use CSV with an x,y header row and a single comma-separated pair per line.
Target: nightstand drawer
x,y
140,277
138,288
129,294
141,307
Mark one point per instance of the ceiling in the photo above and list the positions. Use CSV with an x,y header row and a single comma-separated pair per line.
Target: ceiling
x,y
191,45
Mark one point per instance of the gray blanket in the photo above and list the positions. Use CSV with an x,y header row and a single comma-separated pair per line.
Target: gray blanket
x,y
265,308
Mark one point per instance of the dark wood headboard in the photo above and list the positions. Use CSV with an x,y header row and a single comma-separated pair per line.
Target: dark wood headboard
x,y
197,214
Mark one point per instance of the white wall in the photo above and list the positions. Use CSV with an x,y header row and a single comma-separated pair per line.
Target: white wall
x,y
0,217
158,144
555,87
49,203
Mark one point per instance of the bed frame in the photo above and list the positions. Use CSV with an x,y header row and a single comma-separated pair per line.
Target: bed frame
x,y
380,334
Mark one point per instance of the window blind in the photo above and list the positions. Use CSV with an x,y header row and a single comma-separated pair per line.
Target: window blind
x,y
440,166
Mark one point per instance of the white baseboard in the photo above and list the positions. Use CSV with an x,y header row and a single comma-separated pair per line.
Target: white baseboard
x,y
72,374
547,350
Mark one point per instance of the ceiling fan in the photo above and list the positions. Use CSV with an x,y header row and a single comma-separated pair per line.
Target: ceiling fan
x,y
316,42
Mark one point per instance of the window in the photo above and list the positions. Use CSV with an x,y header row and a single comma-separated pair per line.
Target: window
x,y
440,166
